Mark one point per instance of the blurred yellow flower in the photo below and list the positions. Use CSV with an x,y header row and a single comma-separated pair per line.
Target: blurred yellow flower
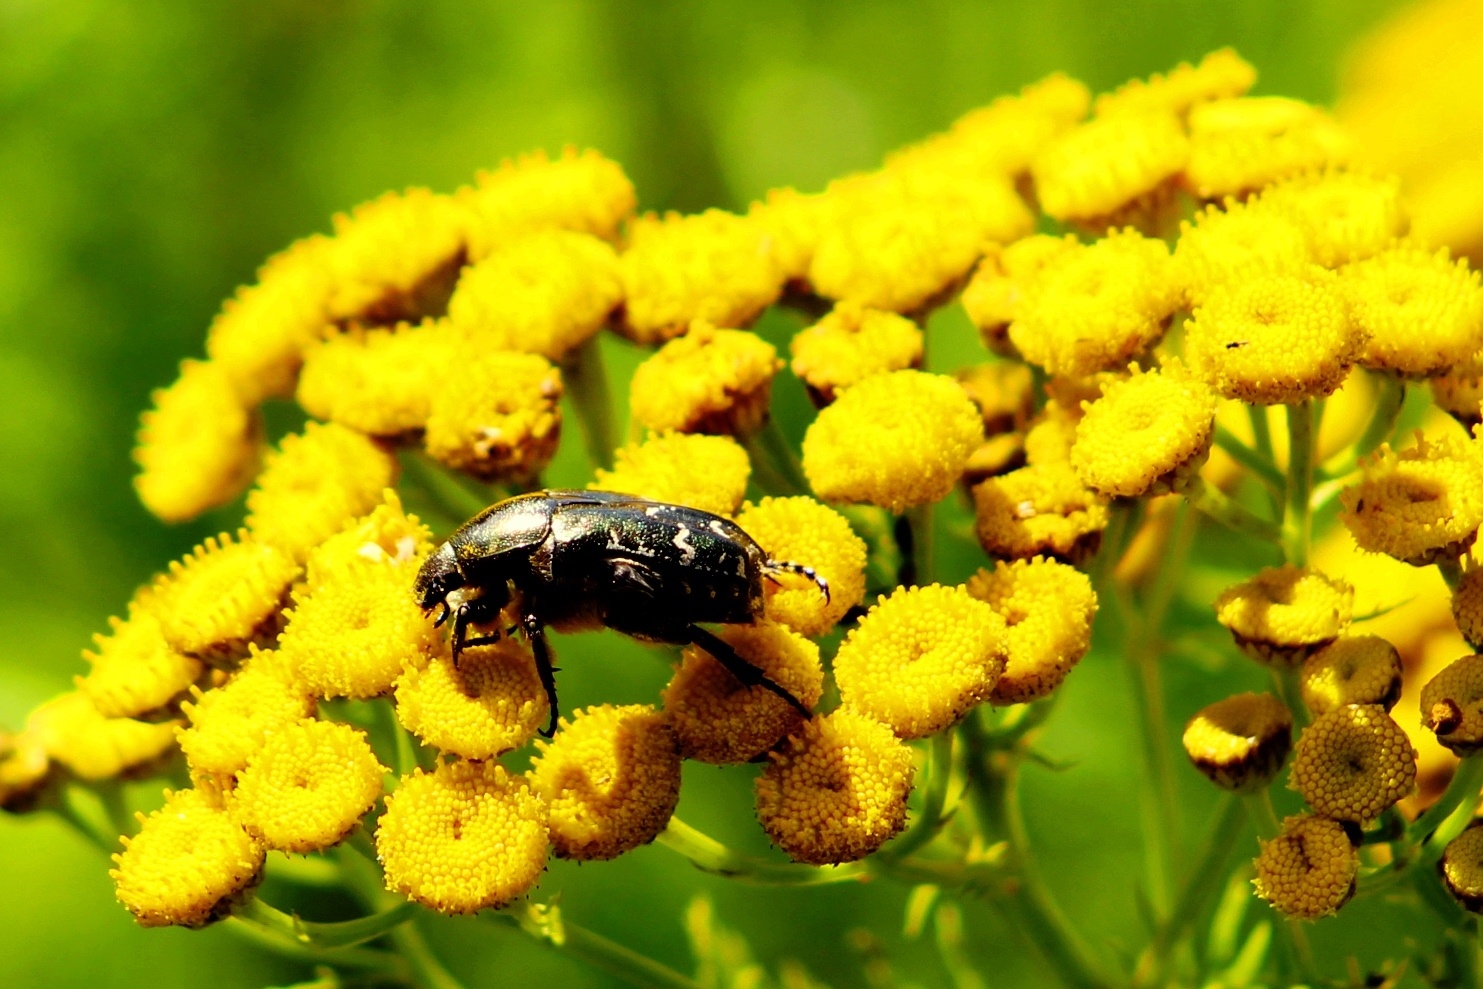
x,y
1106,164
1237,145
387,253
1347,216
1241,742
1003,392
1220,75
853,342
498,417
705,472
72,732
135,671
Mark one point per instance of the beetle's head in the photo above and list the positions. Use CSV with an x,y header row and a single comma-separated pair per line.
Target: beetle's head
x,y
438,578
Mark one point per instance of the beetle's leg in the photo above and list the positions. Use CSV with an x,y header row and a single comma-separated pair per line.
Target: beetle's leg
x,y
744,671
536,634
466,614
782,566
442,615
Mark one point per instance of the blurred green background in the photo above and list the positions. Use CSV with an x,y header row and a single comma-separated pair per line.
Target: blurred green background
x,y
152,153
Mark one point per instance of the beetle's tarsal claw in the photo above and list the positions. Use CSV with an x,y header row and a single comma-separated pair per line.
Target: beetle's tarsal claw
x,y
443,615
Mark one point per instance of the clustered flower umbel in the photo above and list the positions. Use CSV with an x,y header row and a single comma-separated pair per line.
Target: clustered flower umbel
x,y
1295,270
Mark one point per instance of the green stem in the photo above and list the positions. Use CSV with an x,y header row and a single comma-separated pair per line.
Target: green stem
x,y
427,971
586,378
1261,466
1388,406
363,877
325,937
107,844
923,550
1124,515
367,958
1261,434
778,469
1450,567
1289,683
1263,817
1297,517
303,871
930,821
1467,780
456,500
709,855
548,926
1214,503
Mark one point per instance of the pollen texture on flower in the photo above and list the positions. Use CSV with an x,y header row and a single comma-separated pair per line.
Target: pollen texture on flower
x,y
1421,312
1309,870
1284,613
705,472
1347,216
499,417
1462,868
231,722
488,704
1237,244
1048,609
1354,762
1355,669
706,381
380,381
1241,144
802,530
1092,171
1146,435
1418,505
850,344
1241,742
1043,509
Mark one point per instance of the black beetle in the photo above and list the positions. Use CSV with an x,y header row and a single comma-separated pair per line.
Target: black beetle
x,y
587,559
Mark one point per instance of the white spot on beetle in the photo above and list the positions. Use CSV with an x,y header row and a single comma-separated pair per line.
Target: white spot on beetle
x,y
716,527
682,543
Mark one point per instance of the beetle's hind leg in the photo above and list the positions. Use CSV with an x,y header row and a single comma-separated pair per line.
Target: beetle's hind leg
x,y
782,566
744,671
536,635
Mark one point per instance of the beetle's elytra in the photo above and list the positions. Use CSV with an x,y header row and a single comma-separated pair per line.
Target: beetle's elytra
x,y
585,559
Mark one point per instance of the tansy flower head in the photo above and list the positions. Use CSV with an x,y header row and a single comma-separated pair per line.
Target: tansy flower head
x,y
314,484
996,292
387,535
499,417
1355,669
714,266
851,343
1354,762
1346,215
1220,75
1236,244
994,456
222,596
837,791
718,719
1095,307
198,447
1275,339
895,440
1459,392
465,837
1467,605
921,658
1309,870
307,786
389,255
1048,608
1147,435
1052,435
187,864
1285,613
379,382
580,191
1005,135
1043,509
1241,742
135,671
488,704
1237,145
1423,312
1003,392
231,722
544,293
791,219
611,779
705,472
72,732
804,531
707,381
1420,505
351,635
1462,868
25,769
1092,172
1452,705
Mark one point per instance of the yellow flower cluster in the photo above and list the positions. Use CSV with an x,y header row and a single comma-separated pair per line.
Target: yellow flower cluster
x,y
1284,614
1420,505
1309,870
1241,742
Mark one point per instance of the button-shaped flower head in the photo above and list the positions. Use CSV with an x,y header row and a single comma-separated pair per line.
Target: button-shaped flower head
x,y
718,719
72,732
1091,172
135,671
837,791
1220,75
705,472
1048,609
488,704
1355,669
1237,145
707,381
1462,868
850,344
805,531
498,418
1452,705
1284,614
1420,505
1354,762
1309,870
1146,435
1346,215
388,253
921,658
895,440
1241,742
379,382
994,296
231,722
1422,312
465,837
1043,509
611,779
388,535
1238,244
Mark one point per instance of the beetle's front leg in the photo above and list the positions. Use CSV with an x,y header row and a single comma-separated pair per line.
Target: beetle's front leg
x,y
536,634
749,675
475,612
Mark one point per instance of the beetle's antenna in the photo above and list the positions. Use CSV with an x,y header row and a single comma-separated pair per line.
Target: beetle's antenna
x,y
781,566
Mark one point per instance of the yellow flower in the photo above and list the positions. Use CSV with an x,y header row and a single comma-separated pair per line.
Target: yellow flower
x,y
1234,245
1286,613
498,417
1274,339
25,770
1052,435
388,253
994,296
231,722
705,472
611,779
188,863
1237,145
72,732
1094,307
1462,868
791,219
544,293
1452,705
717,719
1467,604
707,381
804,531
837,791
1309,870
314,484
1092,172
1241,742
1048,609
1220,75
851,343
1460,391
488,704
307,786
1002,390
198,447
1420,505
921,658
579,191
387,535
1346,215
1355,669
1423,313
1354,762
1147,435
1043,509
466,837
714,266
895,440
221,597
351,635
994,456
379,382
135,671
